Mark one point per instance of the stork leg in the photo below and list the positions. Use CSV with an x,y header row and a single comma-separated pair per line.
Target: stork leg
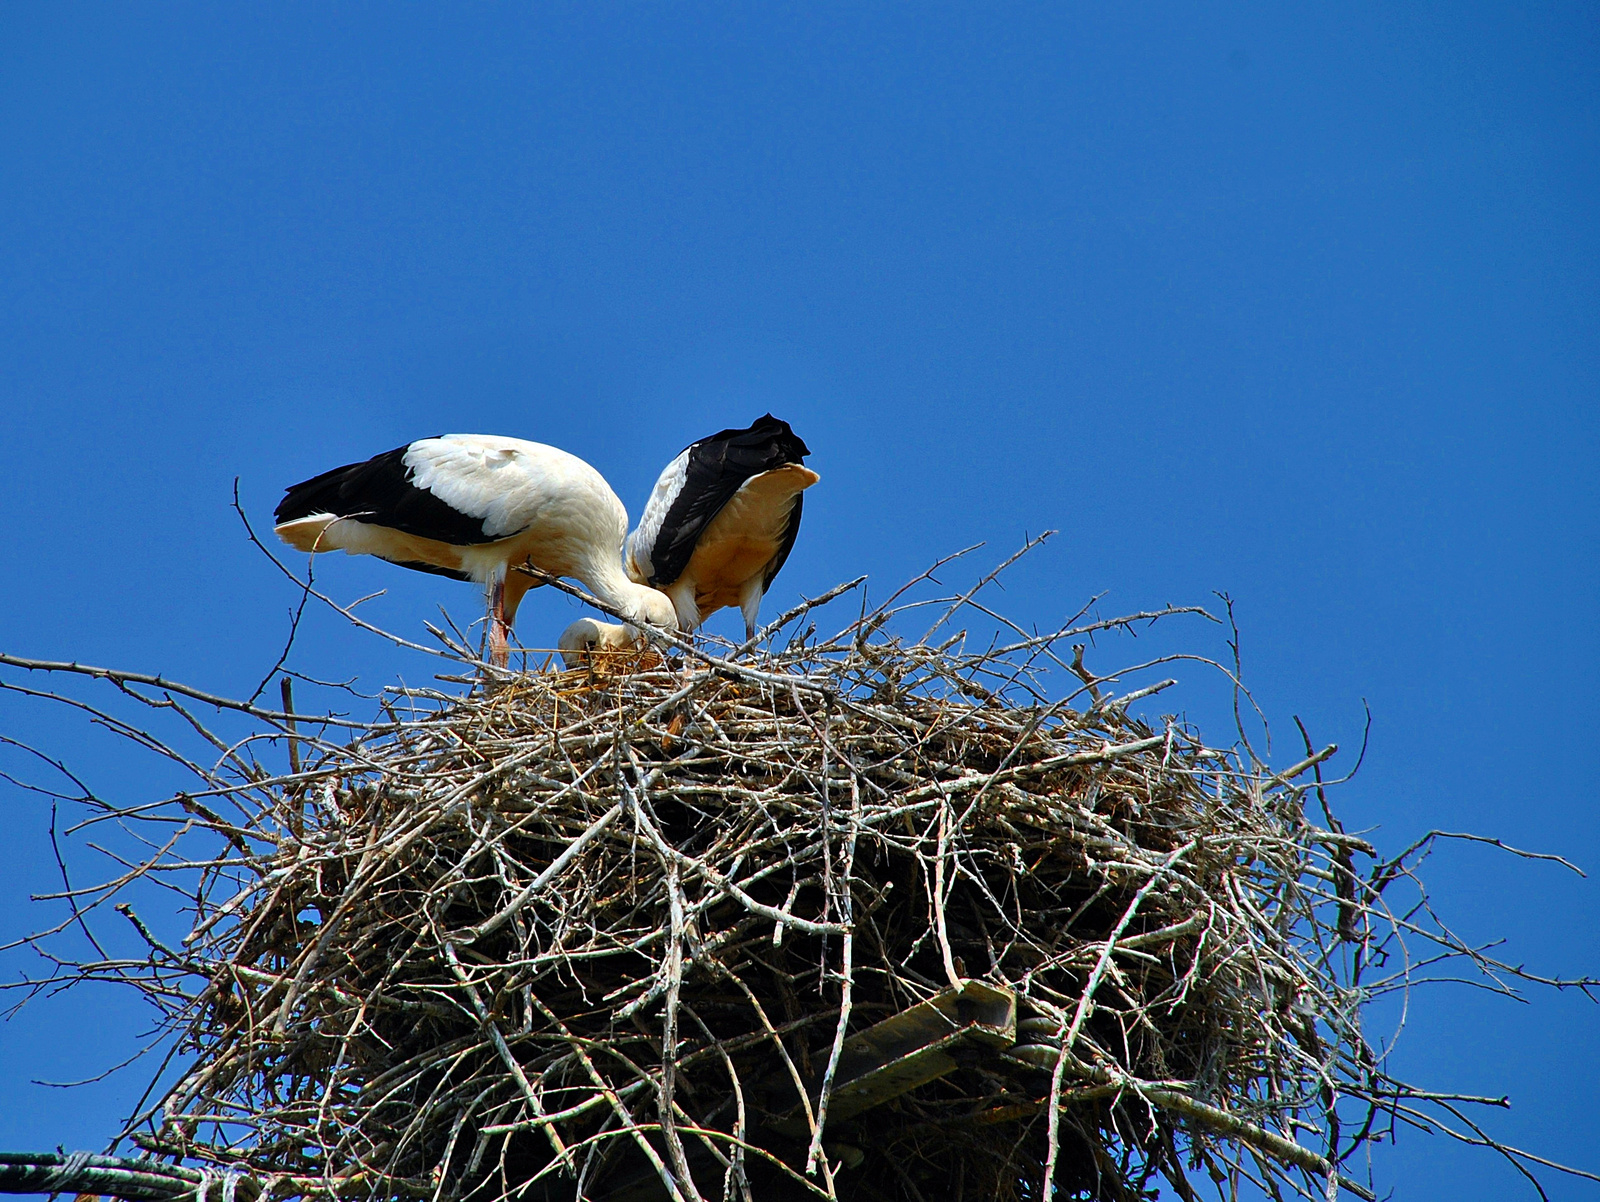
x,y
750,606
499,628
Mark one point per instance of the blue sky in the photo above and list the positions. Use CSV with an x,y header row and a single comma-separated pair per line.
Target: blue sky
x,y
1296,302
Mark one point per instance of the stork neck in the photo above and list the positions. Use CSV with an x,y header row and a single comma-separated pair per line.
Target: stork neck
x,y
611,584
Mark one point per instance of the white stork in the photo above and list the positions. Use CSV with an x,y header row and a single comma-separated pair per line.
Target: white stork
x,y
719,525
473,507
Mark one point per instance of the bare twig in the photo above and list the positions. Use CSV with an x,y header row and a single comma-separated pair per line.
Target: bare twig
x,y
641,928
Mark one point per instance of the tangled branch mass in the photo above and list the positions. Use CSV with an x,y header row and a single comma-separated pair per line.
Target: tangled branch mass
x,y
857,917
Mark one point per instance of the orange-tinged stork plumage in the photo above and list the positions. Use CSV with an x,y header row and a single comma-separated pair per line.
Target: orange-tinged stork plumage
x,y
476,507
719,525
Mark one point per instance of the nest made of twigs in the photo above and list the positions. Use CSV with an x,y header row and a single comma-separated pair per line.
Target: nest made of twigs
x,y
579,938
614,933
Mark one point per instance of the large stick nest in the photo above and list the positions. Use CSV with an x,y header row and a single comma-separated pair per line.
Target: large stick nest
x,y
603,934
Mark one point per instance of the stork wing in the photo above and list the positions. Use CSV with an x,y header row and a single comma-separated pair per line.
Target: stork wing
x,y
460,489
790,531
381,492
694,488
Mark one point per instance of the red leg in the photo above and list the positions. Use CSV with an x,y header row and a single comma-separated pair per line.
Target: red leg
x,y
499,632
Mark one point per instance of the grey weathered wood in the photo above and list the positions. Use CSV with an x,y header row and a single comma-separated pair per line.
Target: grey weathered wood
x,y
913,1047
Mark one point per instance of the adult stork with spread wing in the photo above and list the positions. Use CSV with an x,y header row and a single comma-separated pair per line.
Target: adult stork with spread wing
x,y
475,507
717,529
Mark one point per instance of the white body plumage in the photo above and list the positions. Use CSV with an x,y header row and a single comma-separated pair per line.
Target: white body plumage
x,y
476,506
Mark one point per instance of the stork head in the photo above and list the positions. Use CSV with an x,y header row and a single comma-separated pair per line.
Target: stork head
x,y
655,608
585,636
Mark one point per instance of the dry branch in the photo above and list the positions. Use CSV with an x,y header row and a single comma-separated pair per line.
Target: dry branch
x,y
628,933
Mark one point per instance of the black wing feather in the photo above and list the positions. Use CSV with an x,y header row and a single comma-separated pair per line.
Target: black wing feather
x,y
380,492
789,534
432,569
717,466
